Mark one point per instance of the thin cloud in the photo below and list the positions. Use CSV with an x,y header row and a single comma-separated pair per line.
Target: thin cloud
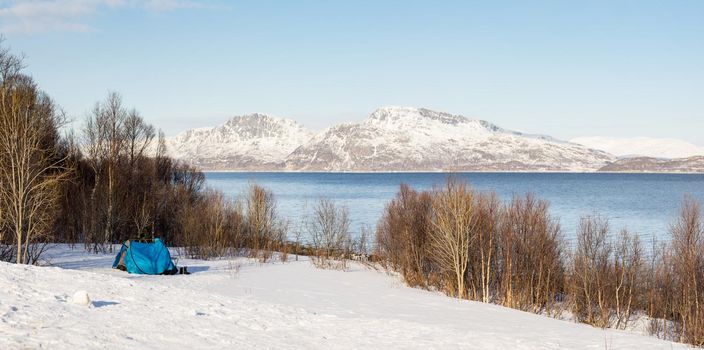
x,y
32,16
170,5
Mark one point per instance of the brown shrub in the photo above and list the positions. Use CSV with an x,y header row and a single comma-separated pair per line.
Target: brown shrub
x,y
687,268
212,227
469,245
402,235
591,273
531,256
265,232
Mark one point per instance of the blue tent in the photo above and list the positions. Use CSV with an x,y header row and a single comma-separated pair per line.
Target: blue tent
x,y
144,258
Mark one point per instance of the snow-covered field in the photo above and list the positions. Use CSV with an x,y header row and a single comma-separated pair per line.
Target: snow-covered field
x,y
243,304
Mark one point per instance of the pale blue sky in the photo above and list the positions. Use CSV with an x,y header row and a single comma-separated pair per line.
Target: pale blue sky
x,y
564,68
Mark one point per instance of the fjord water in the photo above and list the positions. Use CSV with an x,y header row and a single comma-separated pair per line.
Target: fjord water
x,y
644,203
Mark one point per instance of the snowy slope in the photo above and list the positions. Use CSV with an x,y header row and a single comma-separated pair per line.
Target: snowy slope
x,y
242,304
642,146
406,138
253,141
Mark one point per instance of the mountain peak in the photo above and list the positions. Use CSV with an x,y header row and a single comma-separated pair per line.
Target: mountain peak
x,y
249,141
395,114
252,116
258,118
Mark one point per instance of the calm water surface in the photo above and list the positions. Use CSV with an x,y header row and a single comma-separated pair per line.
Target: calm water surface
x,y
645,203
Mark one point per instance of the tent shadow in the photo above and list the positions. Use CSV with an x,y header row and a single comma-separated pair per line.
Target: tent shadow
x,y
99,303
194,269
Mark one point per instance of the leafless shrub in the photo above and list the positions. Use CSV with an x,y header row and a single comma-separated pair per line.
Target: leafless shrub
x,y
590,280
660,291
674,293
329,231
628,268
360,246
298,235
282,243
687,268
531,256
402,235
606,282
212,227
469,245
265,232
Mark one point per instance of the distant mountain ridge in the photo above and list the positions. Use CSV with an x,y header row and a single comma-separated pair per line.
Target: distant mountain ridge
x,y
642,147
389,139
693,164
418,139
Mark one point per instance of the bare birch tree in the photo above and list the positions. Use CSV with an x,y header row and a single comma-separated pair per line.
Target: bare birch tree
x,y
451,235
628,270
487,224
591,272
30,167
104,137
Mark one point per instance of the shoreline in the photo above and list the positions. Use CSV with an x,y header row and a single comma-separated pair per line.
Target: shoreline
x,y
451,172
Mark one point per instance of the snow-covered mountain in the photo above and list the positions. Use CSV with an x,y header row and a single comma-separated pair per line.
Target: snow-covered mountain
x,y
248,142
413,139
642,147
418,139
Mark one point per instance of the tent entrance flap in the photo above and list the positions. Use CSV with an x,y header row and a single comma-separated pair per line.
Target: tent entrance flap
x,y
144,258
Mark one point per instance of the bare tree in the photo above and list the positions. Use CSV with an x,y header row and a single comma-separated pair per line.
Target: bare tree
x,y
138,136
628,271
105,141
688,270
31,169
486,239
10,64
591,272
329,231
451,235
265,231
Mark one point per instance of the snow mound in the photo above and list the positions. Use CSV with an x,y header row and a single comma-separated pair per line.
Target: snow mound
x,y
81,298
